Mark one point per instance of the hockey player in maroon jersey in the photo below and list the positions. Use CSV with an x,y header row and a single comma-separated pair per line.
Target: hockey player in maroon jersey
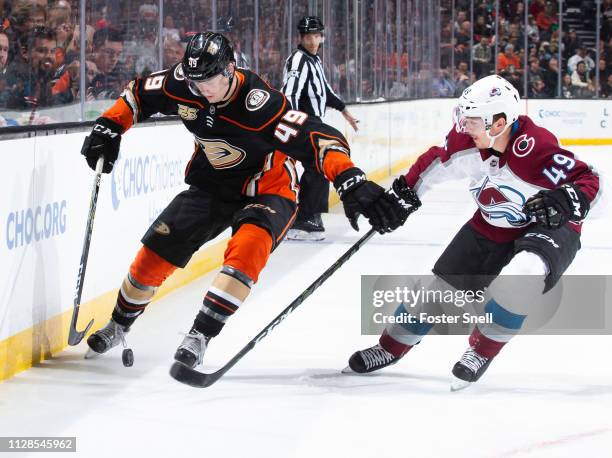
x,y
532,196
242,175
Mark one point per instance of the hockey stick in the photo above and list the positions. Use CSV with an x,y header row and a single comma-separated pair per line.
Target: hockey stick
x,y
74,336
189,376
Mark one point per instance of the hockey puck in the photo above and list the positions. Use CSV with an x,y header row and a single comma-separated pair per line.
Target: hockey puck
x,y
127,357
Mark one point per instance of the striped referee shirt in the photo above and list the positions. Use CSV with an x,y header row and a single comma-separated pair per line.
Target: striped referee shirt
x,y
305,85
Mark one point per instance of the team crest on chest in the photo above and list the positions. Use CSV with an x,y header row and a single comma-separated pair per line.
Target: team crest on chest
x,y
187,113
500,202
220,153
256,99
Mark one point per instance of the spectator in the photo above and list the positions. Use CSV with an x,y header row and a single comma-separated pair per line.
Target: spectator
x,y
533,33
583,87
4,52
534,71
571,42
515,78
462,80
108,47
141,52
399,89
66,88
545,21
544,53
463,35
604,70
537,7
461,18
169,31
580,56
173,52
442,86
567,90
481,28
483,55
508,61
60,20
462,53
537,89
551,77
29,77
606,89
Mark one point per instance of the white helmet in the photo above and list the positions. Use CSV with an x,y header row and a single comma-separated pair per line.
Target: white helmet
x,y
484,99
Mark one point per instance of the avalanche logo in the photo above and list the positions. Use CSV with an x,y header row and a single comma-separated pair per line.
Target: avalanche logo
x,y
500,202
523,145
494,92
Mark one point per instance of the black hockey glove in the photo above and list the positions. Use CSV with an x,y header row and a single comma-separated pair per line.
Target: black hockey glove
x,y
104,139
362,197
553,208
405,196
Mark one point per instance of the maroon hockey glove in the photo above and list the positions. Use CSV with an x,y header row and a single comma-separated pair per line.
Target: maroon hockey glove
x,y
362,197
104,139
553,208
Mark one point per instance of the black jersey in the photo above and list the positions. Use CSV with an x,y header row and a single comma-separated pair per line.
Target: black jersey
x,y
237,141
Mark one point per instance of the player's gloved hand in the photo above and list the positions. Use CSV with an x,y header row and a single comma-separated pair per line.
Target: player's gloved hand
x,y
104,139
553,208
362,197
405,196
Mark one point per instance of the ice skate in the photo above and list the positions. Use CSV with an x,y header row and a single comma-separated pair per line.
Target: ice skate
x,y
191,351
310,229
370,360
469,369
106,338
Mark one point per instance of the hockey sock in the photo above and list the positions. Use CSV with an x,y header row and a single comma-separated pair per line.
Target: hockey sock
x,y
224,297
484,345
132,300
394,347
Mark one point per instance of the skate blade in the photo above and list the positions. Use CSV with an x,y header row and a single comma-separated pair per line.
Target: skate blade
x,y
303,236
458,385
348,370
90,354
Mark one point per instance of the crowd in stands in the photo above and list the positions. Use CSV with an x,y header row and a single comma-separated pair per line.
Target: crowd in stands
x,y
528,50
40,49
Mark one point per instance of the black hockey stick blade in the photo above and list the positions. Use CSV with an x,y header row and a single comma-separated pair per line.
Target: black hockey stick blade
x,y
191,377
75,336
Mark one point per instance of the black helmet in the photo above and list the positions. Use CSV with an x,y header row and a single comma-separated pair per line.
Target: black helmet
x,y
310,24
207,55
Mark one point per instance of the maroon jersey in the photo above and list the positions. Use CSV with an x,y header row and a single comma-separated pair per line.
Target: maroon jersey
x,y
502,183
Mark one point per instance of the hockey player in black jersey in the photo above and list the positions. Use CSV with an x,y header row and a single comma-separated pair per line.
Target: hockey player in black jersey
x,y
242,174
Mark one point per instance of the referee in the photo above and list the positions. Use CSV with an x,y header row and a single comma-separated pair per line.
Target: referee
x,y
307,90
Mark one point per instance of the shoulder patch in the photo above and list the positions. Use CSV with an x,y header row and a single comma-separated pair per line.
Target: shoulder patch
x,y
293,74
178,73
187,113
256,98
523,145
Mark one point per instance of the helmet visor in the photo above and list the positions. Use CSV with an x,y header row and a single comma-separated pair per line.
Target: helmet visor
x,y
471,125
